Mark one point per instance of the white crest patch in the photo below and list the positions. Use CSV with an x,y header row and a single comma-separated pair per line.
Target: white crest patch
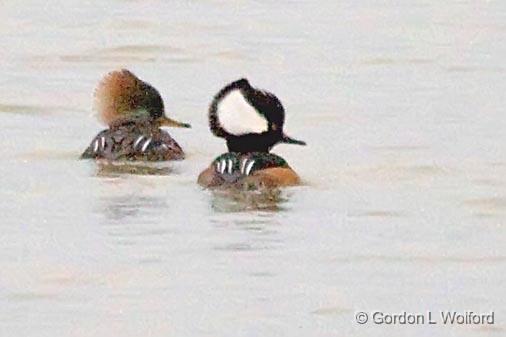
x,y
238,117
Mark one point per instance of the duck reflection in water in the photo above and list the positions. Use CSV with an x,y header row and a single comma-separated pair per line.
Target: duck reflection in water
x,y
237,199
116,169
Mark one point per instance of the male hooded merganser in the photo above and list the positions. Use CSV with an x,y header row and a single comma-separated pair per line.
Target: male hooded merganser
x,y
251,121
134,112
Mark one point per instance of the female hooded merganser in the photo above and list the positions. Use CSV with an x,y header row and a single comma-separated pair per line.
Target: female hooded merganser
x,y
251,121
134,112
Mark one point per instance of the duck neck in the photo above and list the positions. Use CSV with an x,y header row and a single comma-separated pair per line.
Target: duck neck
x,y
250,143
140,124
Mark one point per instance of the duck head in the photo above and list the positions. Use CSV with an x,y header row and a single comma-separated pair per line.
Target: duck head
x,y
249,119
121,97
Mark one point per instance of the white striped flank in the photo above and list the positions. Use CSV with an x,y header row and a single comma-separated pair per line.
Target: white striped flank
x,y
249,167
102,141
146,144
95,146
137,141
237,117
230,166
223,166
243,165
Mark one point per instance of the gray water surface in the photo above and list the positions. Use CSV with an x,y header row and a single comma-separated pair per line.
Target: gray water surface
x,y
404,196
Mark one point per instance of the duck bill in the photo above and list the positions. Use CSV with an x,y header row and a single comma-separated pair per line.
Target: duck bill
x,y
289,140
165,121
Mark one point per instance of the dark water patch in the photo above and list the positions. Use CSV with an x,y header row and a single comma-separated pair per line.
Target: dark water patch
x,y
47,154
224,28
423,170
498,164
31,296
254,228
244,247
126,243
129,50
146,52
331,311
148,232
108,59
64,280
133,24
33,109
231,55
119,208
484,215
380,61
260,227
252,222
400,148
474,69
132,53
236,247
488,182
389,173
488,204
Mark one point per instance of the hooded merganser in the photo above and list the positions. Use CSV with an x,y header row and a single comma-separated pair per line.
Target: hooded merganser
x,y
134,112
251,121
